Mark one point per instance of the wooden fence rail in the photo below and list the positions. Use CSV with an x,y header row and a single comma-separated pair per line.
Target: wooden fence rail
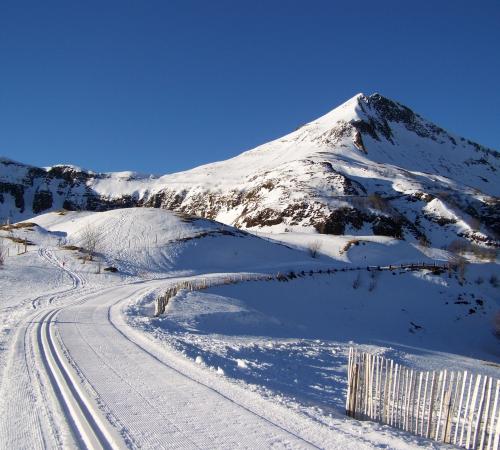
x,y
161,302
459,408
199,284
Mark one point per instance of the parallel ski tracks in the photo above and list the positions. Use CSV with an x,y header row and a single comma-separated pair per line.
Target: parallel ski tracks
x,y
87,427
44,368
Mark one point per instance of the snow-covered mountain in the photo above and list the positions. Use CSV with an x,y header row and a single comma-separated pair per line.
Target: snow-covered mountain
x,y
371,165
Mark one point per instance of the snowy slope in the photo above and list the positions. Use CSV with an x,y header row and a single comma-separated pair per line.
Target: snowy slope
x,y
371,165
289,341
155,241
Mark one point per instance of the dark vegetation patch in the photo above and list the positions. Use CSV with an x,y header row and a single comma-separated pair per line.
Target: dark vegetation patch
x,y
18,240
72,248
19,226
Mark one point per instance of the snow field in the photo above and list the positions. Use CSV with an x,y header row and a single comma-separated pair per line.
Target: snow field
x,y
288,341
268,356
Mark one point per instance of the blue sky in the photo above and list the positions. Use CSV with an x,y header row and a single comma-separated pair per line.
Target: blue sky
x,y
162,86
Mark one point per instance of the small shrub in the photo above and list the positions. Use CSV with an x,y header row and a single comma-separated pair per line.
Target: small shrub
x,y
281,277
486,254
458,246
349,244
357,282
373,281
375,201
71,247
479,280
474,223
458,264
314,248
423,241
91,238
494,281
496,325
3,253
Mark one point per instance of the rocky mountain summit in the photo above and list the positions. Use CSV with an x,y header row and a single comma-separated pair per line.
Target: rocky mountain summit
x,y
370,166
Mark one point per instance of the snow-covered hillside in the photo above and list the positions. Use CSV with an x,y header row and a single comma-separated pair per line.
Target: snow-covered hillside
x,y
152,242
370,166
268,356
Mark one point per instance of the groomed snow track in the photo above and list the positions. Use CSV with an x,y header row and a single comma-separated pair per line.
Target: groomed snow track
x,y
87,427
79,377
76,379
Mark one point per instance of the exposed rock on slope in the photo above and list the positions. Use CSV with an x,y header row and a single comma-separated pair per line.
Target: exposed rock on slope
x,y
370,165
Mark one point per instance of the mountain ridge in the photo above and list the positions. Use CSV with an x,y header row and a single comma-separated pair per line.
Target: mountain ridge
x,y
371,164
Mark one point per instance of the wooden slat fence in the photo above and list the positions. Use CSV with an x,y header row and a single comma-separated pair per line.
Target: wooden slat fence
x,y
199,284
459,408
161,302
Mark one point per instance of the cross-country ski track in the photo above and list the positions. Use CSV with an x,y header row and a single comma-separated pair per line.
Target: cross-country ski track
x,y
79,376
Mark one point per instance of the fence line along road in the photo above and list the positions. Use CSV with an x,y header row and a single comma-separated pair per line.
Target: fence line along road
x,y
162,301
459,408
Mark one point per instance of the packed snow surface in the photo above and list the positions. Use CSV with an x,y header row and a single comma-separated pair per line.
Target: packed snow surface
x,y
83,362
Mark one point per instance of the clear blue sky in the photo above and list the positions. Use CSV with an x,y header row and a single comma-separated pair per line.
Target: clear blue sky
x,y
162,86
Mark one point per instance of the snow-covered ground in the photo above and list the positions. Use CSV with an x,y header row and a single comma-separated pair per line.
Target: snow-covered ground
x,y
83,362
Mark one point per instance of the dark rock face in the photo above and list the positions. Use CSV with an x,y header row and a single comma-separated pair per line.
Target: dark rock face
x,y
489,214
337,221
42,201
387,226
17,191
373,128
267,217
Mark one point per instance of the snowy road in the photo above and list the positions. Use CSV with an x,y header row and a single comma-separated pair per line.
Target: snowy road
x,y
97,388
78,376
153,404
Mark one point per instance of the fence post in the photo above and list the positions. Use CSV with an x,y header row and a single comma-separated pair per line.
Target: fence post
x,y
447,409
479,415
424,403
459,411
417,416
431,406
387,389
472,409
466,412
355,390
411,413
492,423
395,386
442,387
348,406
487,410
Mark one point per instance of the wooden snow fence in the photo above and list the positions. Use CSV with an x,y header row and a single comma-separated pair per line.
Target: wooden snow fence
x,y
458,408
161,301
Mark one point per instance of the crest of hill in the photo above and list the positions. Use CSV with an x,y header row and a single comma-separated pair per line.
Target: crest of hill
x,y
156,241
